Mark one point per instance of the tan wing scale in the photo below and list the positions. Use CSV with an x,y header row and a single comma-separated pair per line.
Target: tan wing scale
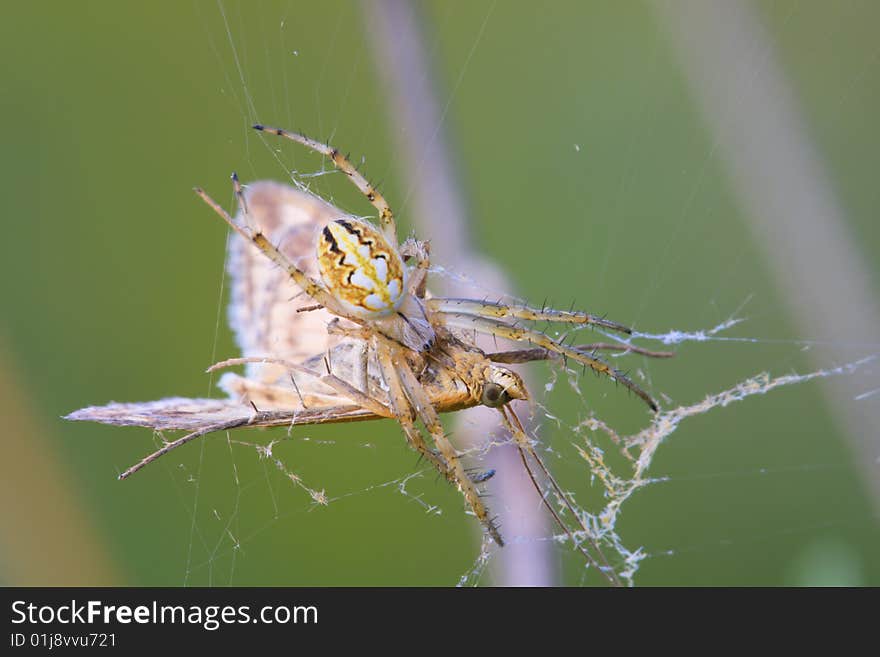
x,y
264,304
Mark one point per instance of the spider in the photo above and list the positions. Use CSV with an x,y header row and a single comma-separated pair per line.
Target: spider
x,y
372,343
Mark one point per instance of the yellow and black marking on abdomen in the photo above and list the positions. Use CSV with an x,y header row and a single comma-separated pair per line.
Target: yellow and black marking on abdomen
x,y
360,268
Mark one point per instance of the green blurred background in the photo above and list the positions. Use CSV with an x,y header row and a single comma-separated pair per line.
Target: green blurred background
x,y
590,176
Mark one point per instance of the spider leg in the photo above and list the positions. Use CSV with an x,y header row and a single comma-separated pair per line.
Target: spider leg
x,y
525,448
386,217
520,334
310,287
529,355
499,310
420,251
402,410
455,470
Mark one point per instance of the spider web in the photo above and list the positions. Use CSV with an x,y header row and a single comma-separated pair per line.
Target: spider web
x,y
746,475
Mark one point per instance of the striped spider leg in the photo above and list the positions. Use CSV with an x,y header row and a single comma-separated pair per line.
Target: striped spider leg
x,y
488,318
386,216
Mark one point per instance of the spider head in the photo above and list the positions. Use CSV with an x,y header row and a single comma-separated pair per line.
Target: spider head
x,y
360,268
502,385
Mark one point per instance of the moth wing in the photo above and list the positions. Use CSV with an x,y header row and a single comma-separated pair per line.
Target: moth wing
x,y
180,413
263,310
263,314
166,414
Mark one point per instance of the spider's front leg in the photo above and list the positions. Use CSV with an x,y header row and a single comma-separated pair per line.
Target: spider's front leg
x,y
312,288
341,162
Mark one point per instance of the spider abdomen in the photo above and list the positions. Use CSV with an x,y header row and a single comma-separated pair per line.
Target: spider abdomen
x,y
360,268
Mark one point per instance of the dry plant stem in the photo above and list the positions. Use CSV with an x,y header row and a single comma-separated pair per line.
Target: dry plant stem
x,y
342,413
223,426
